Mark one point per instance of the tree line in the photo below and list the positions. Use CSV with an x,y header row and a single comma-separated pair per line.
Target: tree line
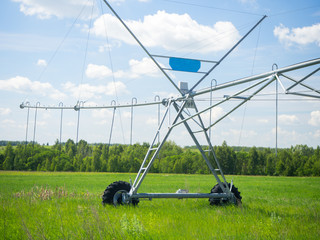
x,y
299,160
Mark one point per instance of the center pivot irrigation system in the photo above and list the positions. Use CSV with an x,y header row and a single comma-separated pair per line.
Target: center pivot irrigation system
x,y
125,193
187,112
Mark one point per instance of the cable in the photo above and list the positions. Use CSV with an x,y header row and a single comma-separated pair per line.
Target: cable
x,y
219,37
245,107
112,70
64,38
293,10
85,54
206,6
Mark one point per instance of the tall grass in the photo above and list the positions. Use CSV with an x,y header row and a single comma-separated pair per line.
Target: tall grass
x,y
68,206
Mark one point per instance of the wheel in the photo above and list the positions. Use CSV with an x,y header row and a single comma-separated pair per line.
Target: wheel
x,y
217,189
114,193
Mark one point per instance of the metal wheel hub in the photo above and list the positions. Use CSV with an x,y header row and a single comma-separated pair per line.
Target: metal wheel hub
x,y
121,197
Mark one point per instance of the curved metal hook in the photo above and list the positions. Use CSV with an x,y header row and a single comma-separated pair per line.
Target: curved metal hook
x,y
113,102
214,81
23,105
156,98
134,100
78,105
274,65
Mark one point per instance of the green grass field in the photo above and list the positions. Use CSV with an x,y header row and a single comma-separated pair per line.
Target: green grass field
x,y
36,205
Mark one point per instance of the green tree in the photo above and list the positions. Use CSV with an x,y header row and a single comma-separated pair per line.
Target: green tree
x,y
96,164
242,160
113,163
226,157
253,161
1,160
8,158
104,159
70,148
57,145
316,160
270,165
281,160
21,157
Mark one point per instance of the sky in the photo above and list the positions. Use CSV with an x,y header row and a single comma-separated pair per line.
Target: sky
x,y
67,51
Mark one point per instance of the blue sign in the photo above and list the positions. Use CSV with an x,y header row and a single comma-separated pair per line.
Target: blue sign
x,y
184,64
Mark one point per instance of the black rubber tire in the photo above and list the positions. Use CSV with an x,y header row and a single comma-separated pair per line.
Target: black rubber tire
x,y
113,188
217,189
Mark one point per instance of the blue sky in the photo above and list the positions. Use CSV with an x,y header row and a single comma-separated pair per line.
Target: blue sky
x,y
69,51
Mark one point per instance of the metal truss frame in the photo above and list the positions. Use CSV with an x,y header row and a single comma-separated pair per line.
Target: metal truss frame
x,y
180,104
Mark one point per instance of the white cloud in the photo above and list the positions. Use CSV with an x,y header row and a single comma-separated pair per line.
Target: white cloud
x,y
70,124
317,134
101,122
47,114
216,113
242,133
251,3
5,111
98,71
20,84
42,123
45,9
118,2
288,119
247,1
170,31
144,67
283,134
165,94
87,91
152,121
263,121
8,122
101,113
42,63
126,114
102,71
315,118
109,47
300,36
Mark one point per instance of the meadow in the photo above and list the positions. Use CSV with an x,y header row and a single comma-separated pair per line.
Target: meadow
x,y
43,205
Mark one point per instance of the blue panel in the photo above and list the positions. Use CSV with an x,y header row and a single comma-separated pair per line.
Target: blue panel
x,y
184,64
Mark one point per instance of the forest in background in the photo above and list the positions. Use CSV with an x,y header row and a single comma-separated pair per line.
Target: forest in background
x,y
299,160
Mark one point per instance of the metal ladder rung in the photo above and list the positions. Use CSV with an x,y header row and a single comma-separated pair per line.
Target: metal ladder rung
x,y
152,149
144,168
199,131
217,169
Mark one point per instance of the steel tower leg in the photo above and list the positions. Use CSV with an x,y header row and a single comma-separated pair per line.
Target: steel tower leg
x,y
204,156
154,149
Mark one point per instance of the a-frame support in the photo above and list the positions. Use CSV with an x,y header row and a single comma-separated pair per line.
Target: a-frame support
x,y
154,149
